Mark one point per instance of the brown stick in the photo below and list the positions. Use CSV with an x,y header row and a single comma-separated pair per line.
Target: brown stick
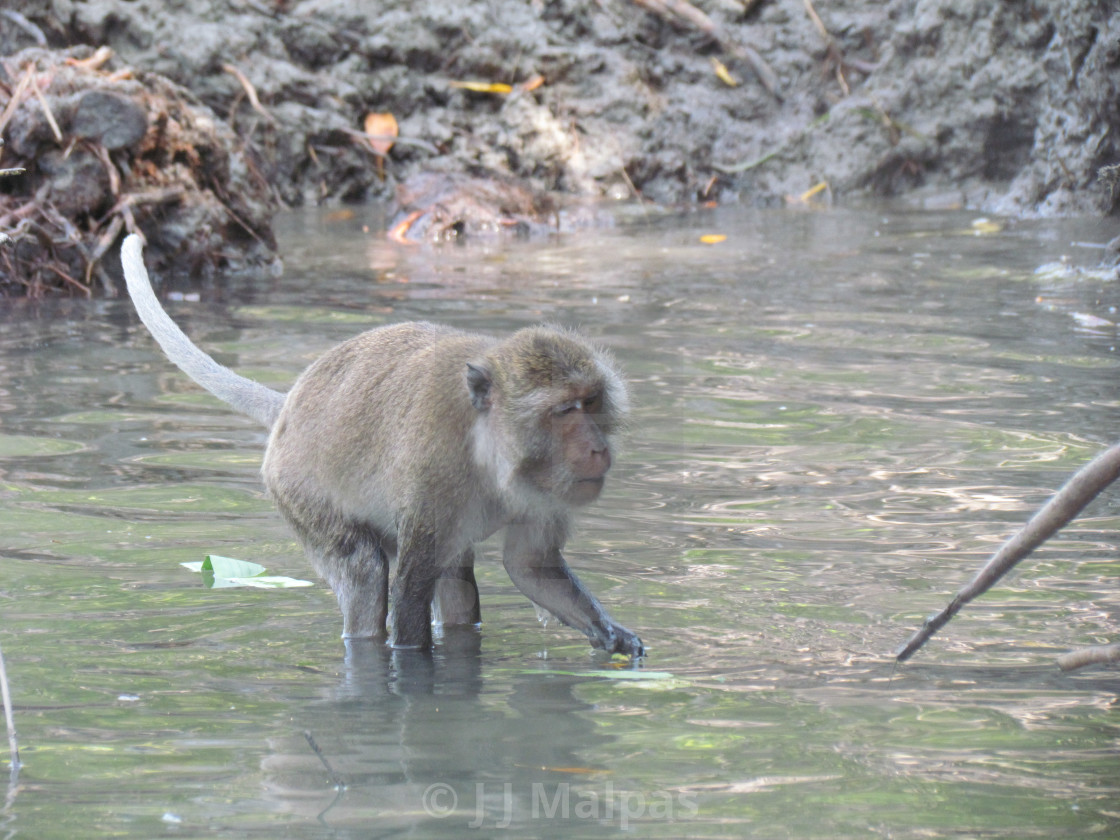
x,y
1063,506
1089,656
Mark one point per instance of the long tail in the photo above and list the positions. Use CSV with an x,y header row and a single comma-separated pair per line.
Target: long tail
x,y
249,397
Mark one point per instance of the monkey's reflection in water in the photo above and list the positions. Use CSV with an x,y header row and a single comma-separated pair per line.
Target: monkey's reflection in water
x,y
454,668
442,738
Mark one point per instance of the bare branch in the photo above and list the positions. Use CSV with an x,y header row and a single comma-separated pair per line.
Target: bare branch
x,y
1094,655
1063,506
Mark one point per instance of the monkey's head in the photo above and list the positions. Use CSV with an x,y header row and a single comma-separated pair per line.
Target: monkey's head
x,y
549,403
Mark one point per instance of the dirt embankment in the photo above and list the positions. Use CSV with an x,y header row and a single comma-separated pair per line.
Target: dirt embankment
x,y
1007,107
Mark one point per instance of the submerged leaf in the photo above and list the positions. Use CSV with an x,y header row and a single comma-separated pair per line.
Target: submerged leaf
x,y
982,226
270,582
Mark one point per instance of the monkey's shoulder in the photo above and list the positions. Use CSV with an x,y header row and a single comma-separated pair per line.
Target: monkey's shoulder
x,y
387,352
396,344
404,374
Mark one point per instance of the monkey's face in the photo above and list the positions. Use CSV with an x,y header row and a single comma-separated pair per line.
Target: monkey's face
x,y
548,403
581,454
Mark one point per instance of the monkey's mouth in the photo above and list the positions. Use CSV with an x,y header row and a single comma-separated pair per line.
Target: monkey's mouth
x,y
584,490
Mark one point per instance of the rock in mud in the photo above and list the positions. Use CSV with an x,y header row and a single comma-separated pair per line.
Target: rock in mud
x,y
113,120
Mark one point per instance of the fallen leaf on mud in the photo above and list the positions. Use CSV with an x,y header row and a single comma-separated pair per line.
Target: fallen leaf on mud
x,y
808,194
713,238
95,61
723,73
399,232
812,191
532,84
381,128
483,87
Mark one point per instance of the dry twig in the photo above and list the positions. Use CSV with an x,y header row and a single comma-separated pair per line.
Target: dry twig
x,y
835,57
16,98
38,91
250,92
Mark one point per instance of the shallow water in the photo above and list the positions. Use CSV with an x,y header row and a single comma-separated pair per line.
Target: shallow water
x,y
838,417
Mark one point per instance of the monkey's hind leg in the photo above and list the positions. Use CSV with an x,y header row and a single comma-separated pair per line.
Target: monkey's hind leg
x,y
420,563
360,581
456,598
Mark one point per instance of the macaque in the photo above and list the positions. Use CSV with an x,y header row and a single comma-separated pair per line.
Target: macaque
x,y
416,441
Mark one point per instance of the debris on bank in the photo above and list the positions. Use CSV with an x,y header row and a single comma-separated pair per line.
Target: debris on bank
x,y
1005,108
105,152
449,207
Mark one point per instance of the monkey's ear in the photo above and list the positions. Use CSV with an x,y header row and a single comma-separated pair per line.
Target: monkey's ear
x,y
478,383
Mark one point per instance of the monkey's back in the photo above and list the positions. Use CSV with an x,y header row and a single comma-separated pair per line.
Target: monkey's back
x,y
376,422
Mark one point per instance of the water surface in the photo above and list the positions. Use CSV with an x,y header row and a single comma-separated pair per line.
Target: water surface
x,y
838,416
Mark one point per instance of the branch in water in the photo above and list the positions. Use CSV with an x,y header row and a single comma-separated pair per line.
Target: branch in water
x,y
1063,506
1097,654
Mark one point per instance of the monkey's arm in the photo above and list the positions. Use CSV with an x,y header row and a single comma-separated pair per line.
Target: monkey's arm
x,y
249,397
539,570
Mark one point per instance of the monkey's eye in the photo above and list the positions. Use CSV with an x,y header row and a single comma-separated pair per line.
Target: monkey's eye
x,y
591,404
568,408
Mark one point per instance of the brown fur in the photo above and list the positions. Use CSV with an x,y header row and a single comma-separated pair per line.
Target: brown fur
x,y
417,441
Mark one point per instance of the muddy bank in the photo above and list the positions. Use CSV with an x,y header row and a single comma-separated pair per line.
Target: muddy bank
x,y
1006,107
107,153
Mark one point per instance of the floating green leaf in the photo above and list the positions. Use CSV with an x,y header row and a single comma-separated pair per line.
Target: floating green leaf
x,y
222,572
228,567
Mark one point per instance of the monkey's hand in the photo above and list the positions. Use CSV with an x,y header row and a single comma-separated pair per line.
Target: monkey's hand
x,y
538,569
614,638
